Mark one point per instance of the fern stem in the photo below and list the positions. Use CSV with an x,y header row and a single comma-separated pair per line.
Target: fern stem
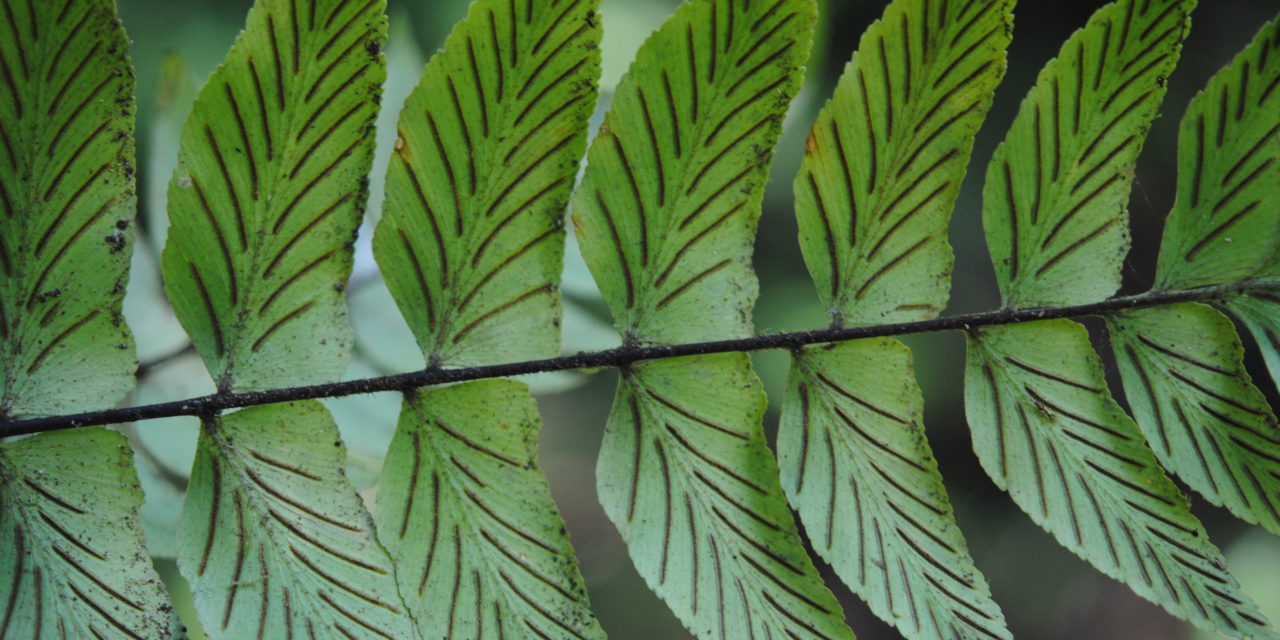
x,y
616,357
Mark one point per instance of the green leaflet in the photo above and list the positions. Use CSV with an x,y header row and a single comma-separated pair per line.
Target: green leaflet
x,y
881,173
479,546
688,480
885,159
1046,429
66,204
269,189
856,466
471,243
667,210
1259,310
1057,188
71,550
666,215
72,553
1223,227
274,540
1184,375
471,238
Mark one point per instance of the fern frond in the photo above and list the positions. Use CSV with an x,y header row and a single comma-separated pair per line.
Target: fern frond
x,y
1223,225
1183,365
267,195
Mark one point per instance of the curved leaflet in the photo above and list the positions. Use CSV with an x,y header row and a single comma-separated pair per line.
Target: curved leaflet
x,y
666,212
686,477
1259,310
72,551
665,216
471,239
479,547
1046,429
881,173
269,189
471,242
67,197
856,466
1184,376
1223,226
884,161
274,539
1057,188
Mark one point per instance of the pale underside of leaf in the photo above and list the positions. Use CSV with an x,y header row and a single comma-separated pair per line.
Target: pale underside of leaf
x,y
66,204
1185,379
1047,430
1223,227
471,238
274,539
269,190
1259,310
467,517
688,480
885,159
667,210
1056,194
71,549
857,468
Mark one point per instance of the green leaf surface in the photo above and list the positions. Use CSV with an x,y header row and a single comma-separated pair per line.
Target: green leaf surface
x,y
1057,190
72,552
856,466
467,516
66,205
274,540
884,161
1047,430
1224,227
471,240
1259,310
688,480
269,189
1184,376
666,212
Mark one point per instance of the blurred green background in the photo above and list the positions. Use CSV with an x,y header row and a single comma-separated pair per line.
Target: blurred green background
x,y
1046,592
